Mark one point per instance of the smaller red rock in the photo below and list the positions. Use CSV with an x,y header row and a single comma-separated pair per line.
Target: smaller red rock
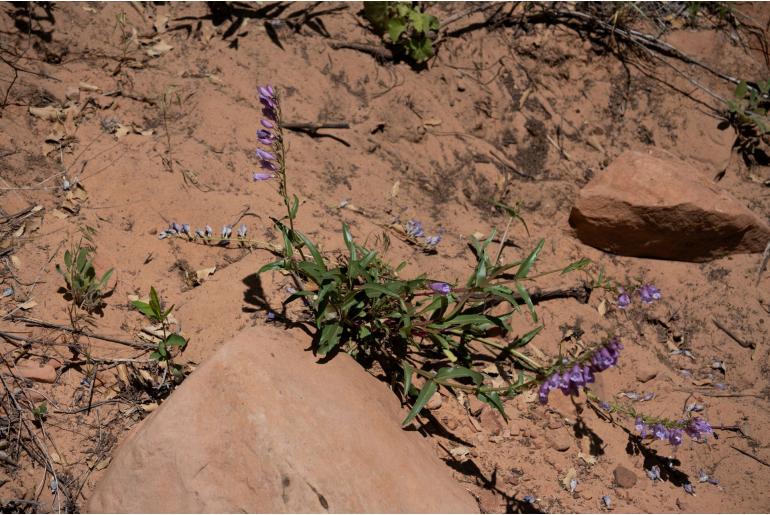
x,y
624,477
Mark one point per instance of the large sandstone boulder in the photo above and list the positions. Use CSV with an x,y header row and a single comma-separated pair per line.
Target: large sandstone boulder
x,y
261,427
646,206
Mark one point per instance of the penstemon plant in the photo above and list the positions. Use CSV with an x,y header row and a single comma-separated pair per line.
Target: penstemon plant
x,y
431,332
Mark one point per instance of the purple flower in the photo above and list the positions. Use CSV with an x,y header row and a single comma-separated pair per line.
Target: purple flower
x,y
660,432
654,473
185,229
624,300
262,176
433,240
227,230
270,316
200,233
697,427
440,288
675,437
264,155
649,293
175,228
267,124
266,91
607,501
209,231
265,137
269,165
576,376
414,229
689,488
242,231
641,427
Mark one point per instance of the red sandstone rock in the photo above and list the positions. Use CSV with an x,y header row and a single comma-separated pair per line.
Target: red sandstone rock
x,y
646,206
262,427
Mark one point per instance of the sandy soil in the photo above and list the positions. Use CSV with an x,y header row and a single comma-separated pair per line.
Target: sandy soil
x,y
162,129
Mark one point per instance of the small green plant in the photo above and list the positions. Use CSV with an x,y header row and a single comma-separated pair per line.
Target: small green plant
x,y
155,312
40,411
410,31
748,115
86,291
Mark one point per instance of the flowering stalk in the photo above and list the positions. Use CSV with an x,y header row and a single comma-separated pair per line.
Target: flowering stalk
x,y
569,379
658,428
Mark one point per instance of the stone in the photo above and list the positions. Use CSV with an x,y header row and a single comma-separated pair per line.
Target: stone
x,y
35,371
645,372
645,206
559,439
261,427
624,477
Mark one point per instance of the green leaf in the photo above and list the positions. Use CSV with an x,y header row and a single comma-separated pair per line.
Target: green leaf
x,y
330,338
378,288
155,303
349,241
319,260
294,208
67,259
420,49
447,373
175,340
527,299
523,270
106,277
396,27
144,308
525,339
272,266
82,259
741,89
408,371
493,399
577,265
425,394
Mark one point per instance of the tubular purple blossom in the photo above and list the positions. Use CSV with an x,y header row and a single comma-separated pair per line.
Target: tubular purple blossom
x,y
267,124
262,176
623,300
265,155
440,288
649,293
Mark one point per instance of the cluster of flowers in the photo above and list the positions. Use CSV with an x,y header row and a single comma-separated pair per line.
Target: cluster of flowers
x,y
266,135
581,374
647,292
183,230
695,428
414,229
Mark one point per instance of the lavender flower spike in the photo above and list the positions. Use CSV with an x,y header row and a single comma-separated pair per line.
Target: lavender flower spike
x,y
649,293
440,288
